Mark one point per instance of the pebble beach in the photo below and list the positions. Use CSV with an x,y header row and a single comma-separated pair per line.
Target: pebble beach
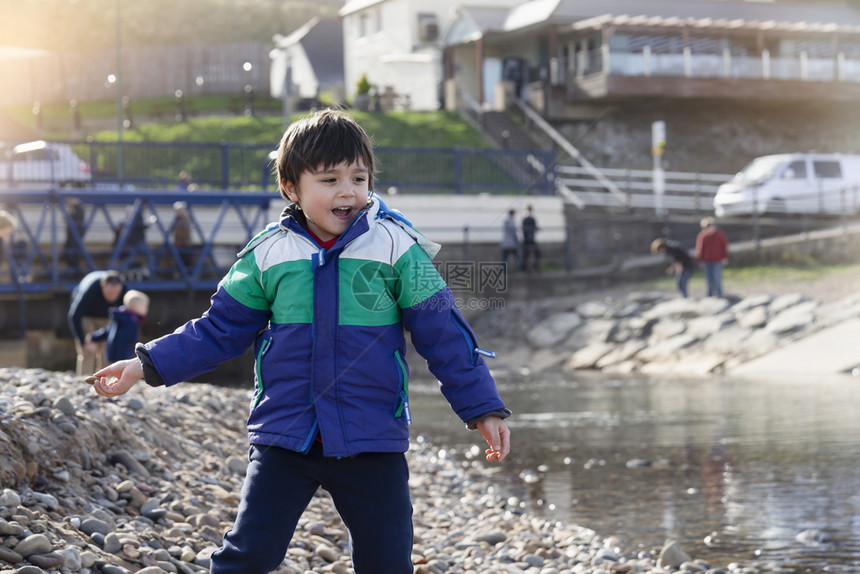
x,y
149,482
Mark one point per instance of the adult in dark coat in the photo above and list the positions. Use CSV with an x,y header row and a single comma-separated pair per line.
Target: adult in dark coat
x,y
682,263
89,310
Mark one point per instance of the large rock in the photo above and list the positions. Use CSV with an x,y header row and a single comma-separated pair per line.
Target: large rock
x,y
666,350
676,308
751,302
672,555
754,318
632,328
727,341
595,309
587,357
783,302
553,330
591,332
666,329
708,325
33,544
793,319
620,354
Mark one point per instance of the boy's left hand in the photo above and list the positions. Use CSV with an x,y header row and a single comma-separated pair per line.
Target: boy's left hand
x,y
496,433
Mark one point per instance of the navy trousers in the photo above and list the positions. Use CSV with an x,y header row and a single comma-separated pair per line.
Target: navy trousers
x,y
370,492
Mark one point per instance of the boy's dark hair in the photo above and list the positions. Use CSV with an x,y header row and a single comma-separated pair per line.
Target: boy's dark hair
x,y
325,139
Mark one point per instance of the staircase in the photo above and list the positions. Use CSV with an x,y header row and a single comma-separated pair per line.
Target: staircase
x,y
505,133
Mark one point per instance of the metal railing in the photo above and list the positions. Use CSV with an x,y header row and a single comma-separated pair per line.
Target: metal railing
x,y
51,249
134,165
683,191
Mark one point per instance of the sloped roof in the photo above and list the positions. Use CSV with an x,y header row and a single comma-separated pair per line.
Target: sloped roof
x,y
569,11
472,22
599,22
356,5
487,17
322,41
324,48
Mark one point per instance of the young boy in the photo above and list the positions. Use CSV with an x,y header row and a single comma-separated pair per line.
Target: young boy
x,y
324,296
123,331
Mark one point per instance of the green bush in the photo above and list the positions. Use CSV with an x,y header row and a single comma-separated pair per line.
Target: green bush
x,y
363,85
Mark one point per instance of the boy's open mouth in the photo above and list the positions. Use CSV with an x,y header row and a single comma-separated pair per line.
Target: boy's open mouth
x,y
342,212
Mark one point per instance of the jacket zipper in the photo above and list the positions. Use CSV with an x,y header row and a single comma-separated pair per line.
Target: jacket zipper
x,y
264,348
403,406
474,349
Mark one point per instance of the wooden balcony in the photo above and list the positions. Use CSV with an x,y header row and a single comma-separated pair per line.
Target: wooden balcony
x,y
604,76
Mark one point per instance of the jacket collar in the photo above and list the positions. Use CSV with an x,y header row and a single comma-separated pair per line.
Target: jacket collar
x,y
375,211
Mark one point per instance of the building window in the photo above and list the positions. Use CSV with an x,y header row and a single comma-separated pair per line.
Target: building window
x,y
428,27
369,23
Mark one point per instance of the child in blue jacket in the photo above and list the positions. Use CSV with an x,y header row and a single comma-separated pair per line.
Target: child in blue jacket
x,y
324,296
121,334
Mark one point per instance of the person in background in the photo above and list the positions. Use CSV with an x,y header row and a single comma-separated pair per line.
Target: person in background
x,y
7,226
682,262
530,246
182,232
123,331
324,296
510,242
19,245
136,243
71,249
712,252
184,181
92,298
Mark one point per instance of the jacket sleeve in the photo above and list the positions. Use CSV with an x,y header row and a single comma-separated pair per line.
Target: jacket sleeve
x,y
222,333
442,336
99,334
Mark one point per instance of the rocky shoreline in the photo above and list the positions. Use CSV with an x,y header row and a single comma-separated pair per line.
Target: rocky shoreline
x,y
148,483
653,332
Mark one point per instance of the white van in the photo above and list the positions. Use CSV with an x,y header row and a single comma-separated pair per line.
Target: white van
x,y
44,163
816,183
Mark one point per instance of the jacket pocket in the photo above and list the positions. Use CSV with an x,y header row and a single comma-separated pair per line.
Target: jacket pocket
x,y
401,408
471,342
259,384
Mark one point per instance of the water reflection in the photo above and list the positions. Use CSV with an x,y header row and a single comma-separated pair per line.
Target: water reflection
x,y
736,470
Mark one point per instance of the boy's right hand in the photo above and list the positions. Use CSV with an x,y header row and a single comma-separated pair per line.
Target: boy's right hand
x,y
118,378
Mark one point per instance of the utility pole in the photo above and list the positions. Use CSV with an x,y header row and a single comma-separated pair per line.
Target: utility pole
x,y
658,144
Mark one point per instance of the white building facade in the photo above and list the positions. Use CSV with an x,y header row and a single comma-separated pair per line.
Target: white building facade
x,y
397,45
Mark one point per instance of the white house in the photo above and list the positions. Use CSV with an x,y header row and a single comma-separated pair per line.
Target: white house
x,y
397,44
308,61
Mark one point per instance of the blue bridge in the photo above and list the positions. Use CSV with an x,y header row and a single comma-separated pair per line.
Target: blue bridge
x,y
63,234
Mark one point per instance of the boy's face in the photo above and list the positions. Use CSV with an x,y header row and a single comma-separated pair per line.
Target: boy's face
x,y
331,198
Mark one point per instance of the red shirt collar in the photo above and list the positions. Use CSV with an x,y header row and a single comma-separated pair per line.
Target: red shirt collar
x,y
320,242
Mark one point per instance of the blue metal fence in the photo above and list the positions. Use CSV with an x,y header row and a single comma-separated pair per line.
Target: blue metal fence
x,y
249,167
51,249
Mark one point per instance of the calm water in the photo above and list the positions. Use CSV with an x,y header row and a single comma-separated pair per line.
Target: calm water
x,y
747,465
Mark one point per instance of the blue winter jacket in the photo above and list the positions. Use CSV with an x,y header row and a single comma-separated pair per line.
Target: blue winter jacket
x,y
327,327
121,334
